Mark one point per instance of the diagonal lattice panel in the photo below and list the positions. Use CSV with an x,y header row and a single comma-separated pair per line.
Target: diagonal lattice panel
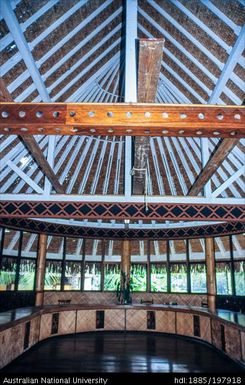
x,y
112,233
105,210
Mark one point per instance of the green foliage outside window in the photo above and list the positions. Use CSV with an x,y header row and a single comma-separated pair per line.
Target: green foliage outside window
x,y
52,279
138,277
158,277
112,277
92,276
72,276
27,275
239,272
178,278
223,278
7,274
198,278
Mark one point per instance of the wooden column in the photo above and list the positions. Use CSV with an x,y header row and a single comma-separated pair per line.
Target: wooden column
x,y
41,258
126,254
211,282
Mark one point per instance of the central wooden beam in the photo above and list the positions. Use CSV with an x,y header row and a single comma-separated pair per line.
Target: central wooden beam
x,y
216,160
122,119
150,57
32,146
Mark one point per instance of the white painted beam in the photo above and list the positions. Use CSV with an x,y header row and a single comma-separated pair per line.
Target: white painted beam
x,y
236,52
121,198
229,181
130,83
25,177
19,38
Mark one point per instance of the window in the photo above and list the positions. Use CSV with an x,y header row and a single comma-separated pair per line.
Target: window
x,y
223,278
222,248
112,276
92,276
72,276
29,245
11,242
93,250
197,250
139,251
138,277
113,251
177,250
178,278
158,277
238,245
239,272
8,274
55,247
53,275
158,251
27,274
74,249
198,278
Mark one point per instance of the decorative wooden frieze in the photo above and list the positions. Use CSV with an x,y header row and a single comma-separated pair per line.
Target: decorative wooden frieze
x,y
124,210
228,228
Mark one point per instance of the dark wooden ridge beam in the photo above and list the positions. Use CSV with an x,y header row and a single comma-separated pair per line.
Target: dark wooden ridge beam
x,y
134,119
33,147
149,66
150,57
223,149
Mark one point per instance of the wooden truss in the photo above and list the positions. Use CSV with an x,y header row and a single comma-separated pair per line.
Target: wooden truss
x,y
122,119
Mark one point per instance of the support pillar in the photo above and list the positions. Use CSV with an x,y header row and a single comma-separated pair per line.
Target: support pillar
x,y
211,281
126,254
41,258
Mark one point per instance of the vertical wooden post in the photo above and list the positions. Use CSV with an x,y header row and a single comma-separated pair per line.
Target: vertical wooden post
x,y
41,258
211,282
126,254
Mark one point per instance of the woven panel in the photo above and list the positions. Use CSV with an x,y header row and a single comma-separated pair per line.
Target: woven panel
x,y
216,336
205,328
34,332
81,298
86,320
136,319
184,324
114,319
161,298
67,322
11,345
165,321
243,345
232,342
45,328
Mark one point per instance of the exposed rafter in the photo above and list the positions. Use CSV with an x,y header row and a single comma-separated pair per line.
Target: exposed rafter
x,y
19,38
33,147
213,164
149,65
232,61
227,145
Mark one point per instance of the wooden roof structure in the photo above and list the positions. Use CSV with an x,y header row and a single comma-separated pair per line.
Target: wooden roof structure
x,y
184,147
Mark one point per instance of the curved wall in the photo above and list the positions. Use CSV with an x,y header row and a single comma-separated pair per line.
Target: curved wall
x,y
18,336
